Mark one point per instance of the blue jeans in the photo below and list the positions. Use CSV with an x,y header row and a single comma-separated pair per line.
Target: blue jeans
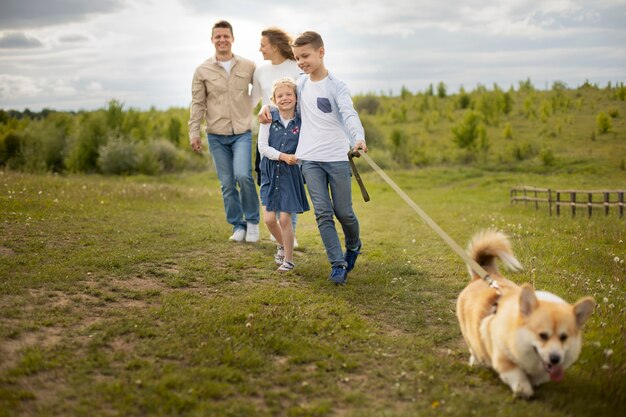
x,y
330,189
232,157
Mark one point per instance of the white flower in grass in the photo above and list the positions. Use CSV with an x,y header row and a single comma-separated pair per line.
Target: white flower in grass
x,y
616,259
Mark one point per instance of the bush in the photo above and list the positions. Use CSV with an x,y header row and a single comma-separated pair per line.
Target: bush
x,y
83,151
373,134
118,157
11,149
469,132
507,132
368,103
464,100
603,123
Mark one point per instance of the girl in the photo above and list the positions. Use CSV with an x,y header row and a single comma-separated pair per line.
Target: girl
x,y
276,48
282,186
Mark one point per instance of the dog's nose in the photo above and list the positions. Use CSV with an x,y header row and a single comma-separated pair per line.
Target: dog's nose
x,y
555,358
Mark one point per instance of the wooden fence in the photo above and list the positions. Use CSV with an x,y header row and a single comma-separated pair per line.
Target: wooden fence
x,y
583,199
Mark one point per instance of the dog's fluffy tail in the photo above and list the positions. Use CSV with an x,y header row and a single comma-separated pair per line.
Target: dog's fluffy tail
x,y
488,245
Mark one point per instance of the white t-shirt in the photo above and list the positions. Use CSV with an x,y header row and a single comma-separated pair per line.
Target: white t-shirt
x,y
266,74
226,65
322,136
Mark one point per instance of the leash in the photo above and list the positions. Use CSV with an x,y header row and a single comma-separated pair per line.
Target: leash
x,y
359,181
430,222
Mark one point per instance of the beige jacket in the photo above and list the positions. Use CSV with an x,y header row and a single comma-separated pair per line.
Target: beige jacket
x,y
223,101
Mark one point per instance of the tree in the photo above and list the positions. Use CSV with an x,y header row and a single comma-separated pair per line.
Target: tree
x,y
441,90
470,132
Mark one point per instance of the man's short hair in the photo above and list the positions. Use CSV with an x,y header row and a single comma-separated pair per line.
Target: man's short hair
x,y
309,38
224,25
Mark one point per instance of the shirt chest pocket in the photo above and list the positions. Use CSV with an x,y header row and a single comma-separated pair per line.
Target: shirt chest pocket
x,y
323,104
240,81
215,86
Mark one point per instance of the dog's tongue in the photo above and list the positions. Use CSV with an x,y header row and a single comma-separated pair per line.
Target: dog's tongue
x,y
556,373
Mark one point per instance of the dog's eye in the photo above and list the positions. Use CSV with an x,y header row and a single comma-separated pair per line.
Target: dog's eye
x,y
563,337
544,336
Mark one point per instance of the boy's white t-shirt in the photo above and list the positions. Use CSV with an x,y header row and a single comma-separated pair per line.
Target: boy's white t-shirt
x,y
322,136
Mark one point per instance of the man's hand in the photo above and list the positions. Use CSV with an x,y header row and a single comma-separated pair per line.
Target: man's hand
x,y
360,144
289,159
196,145
265,116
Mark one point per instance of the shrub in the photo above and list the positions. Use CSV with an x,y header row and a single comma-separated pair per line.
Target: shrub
x,y
470,131
603,123
118,157
368,103
613,112
547,157
11,149
166,154
83,151
441,90
464,100
507,132
399,145
373,135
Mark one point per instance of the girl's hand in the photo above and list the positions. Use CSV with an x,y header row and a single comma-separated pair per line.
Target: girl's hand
x,y
289,159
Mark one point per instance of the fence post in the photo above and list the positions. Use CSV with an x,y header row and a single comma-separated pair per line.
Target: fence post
x,y
558,203
590,204
550,201
573,203
536,202
525,201
606,204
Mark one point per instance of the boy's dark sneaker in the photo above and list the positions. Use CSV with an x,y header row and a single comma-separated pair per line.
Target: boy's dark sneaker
x,y
339,275
350,258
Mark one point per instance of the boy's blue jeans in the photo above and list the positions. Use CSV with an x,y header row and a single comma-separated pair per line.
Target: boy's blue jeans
x,y
330,189
232,157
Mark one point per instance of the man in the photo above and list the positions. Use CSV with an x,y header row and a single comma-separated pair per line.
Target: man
x,y
220,94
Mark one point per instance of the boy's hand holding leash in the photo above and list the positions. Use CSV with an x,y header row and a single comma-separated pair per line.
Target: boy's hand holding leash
x,y
360,144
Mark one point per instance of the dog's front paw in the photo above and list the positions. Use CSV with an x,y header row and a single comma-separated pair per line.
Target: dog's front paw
x,y
519,383
523,390
472,360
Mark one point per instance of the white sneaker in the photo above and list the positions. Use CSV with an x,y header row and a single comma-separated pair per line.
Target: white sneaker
x,y
238,236
286,267
279,258
252,234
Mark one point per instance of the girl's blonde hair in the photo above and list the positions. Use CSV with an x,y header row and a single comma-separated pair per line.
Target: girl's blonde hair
x,y
286,81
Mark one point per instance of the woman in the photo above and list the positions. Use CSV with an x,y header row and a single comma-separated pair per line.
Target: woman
x,y
276,48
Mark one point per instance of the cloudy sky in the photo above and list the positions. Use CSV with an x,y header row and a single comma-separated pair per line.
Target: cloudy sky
x,y
78,54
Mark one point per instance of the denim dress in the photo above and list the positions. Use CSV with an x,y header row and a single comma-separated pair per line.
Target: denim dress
x,y
282,185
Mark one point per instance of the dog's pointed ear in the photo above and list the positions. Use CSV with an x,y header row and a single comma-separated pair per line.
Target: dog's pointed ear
x,y
527,300
583,309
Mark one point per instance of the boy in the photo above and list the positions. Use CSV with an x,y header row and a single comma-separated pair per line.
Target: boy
x,y
330,126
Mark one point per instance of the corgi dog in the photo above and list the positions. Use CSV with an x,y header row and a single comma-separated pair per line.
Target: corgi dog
x,y
528,337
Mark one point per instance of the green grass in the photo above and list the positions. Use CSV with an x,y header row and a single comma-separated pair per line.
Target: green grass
x,y
122,296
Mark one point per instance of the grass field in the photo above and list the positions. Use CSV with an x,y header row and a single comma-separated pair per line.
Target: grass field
x,y
123,297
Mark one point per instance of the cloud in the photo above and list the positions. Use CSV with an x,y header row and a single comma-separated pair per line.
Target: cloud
x,y
143,52
73,38
36,13
19,40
